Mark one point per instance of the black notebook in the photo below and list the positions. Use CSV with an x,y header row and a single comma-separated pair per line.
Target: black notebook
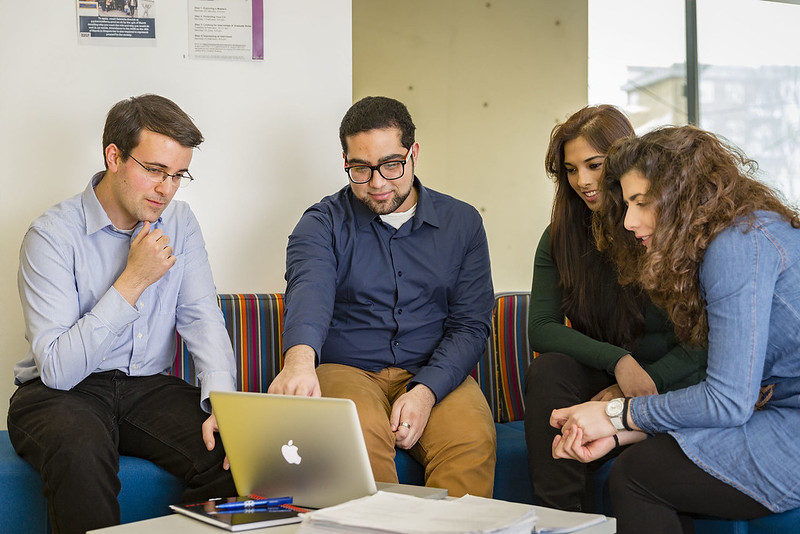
x,y
240,519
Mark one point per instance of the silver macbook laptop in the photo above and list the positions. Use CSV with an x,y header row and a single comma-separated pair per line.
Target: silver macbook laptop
x,y
310,448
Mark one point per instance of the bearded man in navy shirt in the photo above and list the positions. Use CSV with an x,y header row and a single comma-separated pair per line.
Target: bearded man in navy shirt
x,y
389,294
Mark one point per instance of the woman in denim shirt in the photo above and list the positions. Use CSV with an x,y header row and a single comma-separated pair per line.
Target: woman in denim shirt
x,y
719,251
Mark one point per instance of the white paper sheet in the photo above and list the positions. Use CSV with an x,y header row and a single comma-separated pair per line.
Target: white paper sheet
x,y
390,512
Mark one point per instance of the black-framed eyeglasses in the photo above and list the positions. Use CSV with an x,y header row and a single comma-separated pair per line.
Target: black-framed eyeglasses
x,y
390,170
157,176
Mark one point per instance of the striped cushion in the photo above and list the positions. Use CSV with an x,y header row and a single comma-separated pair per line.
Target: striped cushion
x,y
486,376
254,323
512,353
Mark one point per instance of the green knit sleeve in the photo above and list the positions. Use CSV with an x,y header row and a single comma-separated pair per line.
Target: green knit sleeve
x,y
671,364
546,329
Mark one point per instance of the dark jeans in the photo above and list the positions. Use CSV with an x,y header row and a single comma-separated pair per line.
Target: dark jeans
x,y
655,488
555,380
74,439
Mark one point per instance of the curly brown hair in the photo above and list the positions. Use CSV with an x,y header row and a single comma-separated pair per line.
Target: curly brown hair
x,y
699,186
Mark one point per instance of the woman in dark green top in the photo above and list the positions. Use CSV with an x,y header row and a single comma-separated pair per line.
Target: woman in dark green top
x,y
619,344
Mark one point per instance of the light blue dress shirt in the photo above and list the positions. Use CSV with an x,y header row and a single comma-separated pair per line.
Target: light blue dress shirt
x,y
751,283
76,321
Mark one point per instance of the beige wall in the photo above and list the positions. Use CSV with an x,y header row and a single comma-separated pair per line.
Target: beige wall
x,y
485,82
271,127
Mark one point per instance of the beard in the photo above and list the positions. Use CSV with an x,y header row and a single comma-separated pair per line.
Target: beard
x,y
387,206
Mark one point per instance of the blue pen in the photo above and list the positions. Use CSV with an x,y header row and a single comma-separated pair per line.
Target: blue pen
x,y
252,503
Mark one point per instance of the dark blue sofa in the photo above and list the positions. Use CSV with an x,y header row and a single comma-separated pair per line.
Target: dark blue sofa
x,y
254,323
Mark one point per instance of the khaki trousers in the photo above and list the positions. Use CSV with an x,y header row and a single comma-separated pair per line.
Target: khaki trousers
x,y
458,446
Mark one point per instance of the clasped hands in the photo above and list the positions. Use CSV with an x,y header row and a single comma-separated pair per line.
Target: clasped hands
x,y
586,431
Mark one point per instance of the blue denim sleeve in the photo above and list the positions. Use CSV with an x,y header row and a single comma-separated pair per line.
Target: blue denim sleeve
x,y
738,277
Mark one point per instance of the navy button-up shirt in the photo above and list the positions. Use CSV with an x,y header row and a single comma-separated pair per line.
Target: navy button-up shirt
x,y
363,294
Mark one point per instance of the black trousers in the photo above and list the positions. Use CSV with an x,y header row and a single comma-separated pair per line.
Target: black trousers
x,y
656,488
74,439
555,380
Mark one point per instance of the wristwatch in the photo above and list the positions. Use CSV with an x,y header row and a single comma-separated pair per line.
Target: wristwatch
x,y
614,411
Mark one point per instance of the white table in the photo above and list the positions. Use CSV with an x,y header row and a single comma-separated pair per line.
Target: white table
x,y
179,524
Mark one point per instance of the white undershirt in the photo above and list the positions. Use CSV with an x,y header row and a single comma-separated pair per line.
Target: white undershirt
x,y
126,232
398,219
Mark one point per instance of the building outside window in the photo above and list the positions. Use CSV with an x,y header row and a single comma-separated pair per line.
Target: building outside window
x,y
749,73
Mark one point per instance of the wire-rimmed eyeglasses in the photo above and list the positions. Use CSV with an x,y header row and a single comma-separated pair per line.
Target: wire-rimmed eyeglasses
x,y
157,176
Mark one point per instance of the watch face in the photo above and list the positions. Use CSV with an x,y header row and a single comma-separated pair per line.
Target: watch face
x,y
614,407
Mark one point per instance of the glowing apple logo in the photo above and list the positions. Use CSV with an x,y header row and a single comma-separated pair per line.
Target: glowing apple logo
x,y
289,452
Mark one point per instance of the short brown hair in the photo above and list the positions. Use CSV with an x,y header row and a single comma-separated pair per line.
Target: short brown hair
x,y
129,117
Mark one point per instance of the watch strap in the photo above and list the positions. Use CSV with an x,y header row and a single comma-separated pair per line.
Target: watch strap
x,y
625,406
616,416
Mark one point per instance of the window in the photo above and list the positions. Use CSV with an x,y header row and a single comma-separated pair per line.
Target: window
x,y
749,74
758,65
637,53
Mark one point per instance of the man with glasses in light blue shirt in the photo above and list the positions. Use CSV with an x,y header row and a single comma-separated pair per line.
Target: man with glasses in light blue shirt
x,y
105,279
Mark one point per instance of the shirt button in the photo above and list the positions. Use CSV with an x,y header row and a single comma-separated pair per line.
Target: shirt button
x,y
400,311
140,304
139,335
396,343
135,367
399,273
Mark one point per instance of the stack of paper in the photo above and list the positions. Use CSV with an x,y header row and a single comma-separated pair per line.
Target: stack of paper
x,y
550,521
386,512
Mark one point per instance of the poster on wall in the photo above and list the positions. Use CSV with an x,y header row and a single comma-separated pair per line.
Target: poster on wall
x,y
107,20
226,29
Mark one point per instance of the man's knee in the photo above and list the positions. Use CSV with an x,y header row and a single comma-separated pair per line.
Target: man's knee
x,y
63,432
362,387
82,448
372,405
463,419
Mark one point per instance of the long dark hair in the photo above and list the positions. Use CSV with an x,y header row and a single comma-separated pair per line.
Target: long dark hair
x,y
584,272
699,186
